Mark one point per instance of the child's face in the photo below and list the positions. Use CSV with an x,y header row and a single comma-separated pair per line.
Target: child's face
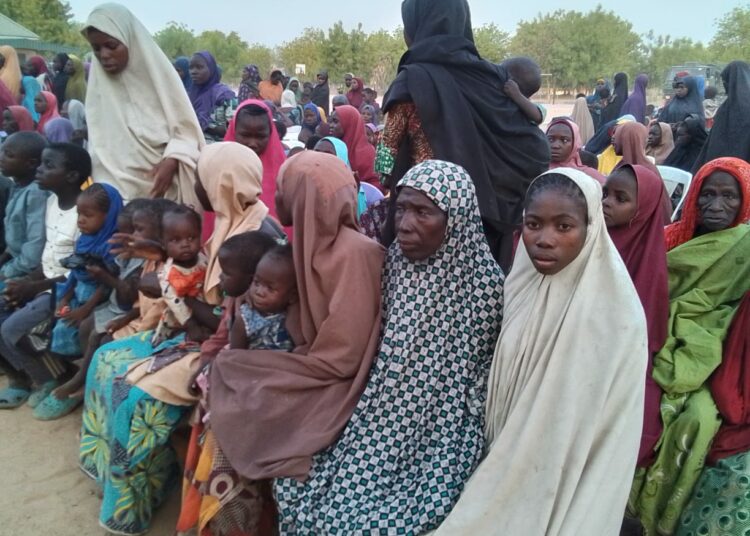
x,y
9,124
52,174
367,117
40,104
235,279
554,231
253,131
310,118
560,139
145,225
90,216
274,285
620,202
13,160
182,239
125,223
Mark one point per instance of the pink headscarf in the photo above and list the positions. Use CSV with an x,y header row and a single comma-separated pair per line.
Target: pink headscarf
x,y
272,158
574,160
51,112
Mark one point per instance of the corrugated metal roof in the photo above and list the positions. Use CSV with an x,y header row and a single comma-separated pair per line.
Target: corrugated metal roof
x,y
38,46
10,29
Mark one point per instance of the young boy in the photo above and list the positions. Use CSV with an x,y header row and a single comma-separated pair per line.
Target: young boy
x,y
64,168
20,156
524,80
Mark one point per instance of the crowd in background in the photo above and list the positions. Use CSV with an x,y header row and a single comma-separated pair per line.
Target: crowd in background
x,y
436,311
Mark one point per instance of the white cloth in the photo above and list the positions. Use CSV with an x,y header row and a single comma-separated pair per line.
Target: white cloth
x,y
61,228
288,99
565,405
141,116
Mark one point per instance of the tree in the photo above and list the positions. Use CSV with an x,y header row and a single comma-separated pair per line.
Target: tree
x,y
384,53
732,39
51,20
307,49
344,52
492,42
232,53
176,40
659,53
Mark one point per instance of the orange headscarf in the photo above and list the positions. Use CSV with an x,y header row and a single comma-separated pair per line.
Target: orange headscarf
x,y
682,231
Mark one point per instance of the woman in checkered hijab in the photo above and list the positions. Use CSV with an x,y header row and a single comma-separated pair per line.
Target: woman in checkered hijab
x,y
416,433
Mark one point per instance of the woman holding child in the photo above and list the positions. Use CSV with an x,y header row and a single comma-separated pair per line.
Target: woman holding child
x,y
144,137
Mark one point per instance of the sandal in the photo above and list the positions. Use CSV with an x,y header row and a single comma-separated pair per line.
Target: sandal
x,y
13,397
52,408
40,394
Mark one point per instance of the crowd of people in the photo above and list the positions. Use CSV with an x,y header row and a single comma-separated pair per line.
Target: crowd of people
x,y
398,317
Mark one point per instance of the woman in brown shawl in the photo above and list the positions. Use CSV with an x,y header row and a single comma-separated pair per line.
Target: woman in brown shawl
x,y
271,410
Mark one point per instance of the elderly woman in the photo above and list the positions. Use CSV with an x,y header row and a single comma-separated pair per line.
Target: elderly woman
x,y
416,433
144,138
708,275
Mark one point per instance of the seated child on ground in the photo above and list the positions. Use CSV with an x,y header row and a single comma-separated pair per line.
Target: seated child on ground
x,y
20,156
99,207
262,320
182,275
524,80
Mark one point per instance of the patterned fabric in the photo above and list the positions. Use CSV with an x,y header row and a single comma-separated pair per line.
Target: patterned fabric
x,y
265,331
719,506
417,432
178,283
125,437
373,219
402,121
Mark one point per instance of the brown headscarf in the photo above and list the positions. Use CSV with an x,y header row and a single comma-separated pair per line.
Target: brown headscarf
x,y
271,410
631,137
666,146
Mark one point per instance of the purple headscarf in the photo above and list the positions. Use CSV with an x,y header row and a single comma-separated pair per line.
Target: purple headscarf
x,y
59,130
204,98
636,103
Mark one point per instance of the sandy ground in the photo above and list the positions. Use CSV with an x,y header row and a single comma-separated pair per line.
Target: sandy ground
x,y
45,493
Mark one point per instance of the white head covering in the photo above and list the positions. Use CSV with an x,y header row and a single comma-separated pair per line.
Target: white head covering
x,y
140,116
77,114
565,405
288,99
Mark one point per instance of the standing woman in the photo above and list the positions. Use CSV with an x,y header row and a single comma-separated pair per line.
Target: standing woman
x,y
10,70
445,104
321,93
346,124
60,77
730,134
45,104
355,95
37,67
636,103
76,87
582,117
249,84
616,101
686,102
210,98
144,138
30,88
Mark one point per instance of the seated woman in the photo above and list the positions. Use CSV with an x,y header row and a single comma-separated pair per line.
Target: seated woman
x,y
690,138
707,278
230,185
210,98
416,433
633,203
686,102
660,142
549,371
346,124
565,145
629,142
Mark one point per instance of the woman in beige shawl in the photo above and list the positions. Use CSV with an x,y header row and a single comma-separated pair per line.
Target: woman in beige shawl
x,y
660,142
581,116
565,401
144,137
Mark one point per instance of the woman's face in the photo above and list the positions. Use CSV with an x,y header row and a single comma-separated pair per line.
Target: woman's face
x,y
245,75
554,231
654,136
337,129
620,201
70,67
57,64
199,71
111,53
560,139
355,84
680,90
719,201
9,124
367,117
253,131
294,85
40,104
348,81
420,224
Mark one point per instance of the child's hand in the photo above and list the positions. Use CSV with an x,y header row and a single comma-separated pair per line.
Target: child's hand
x,y
149,285
74,317
128,246
62,308
117,324
511,88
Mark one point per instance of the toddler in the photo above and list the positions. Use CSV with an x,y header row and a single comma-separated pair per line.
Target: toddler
x,y
524,80
98,207
262,320
182,275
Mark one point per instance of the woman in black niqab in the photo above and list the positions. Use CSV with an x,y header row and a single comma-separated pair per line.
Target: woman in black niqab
x,y
618,98
465,116
730,135
691,105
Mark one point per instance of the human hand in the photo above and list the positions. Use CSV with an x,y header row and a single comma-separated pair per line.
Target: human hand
x,y
74,317
149,285
18,292
163,176
128,246
116,324
511,88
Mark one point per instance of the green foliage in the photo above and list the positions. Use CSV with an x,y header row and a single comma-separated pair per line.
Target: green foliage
x,y
51,20
176,40
307,50
732,39
659,53
492,43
